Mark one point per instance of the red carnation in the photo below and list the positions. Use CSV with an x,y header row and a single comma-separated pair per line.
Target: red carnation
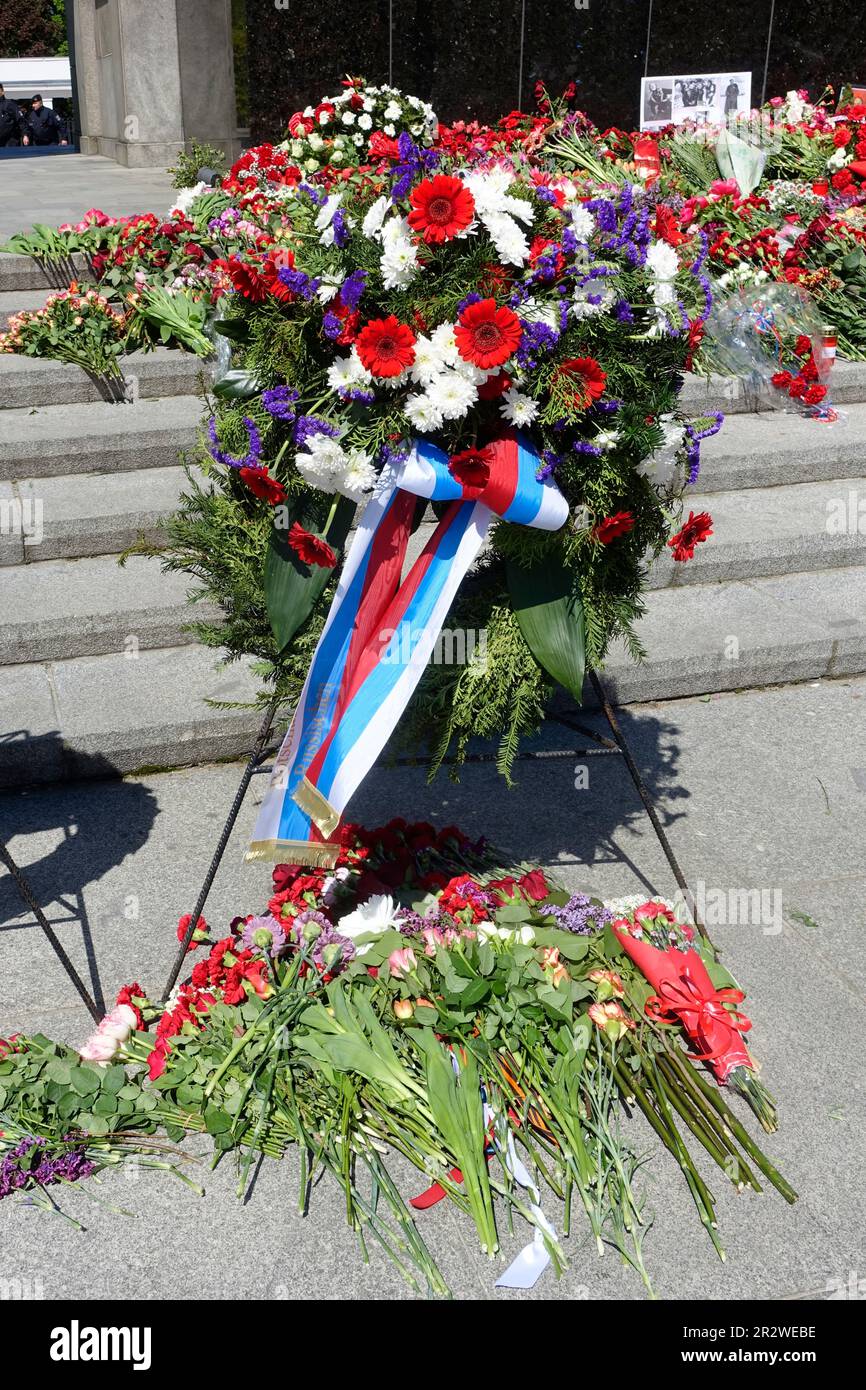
x,y
261,484
587,379
697,528
441,207
247,281
487,336
471,469
381,146
311,549
612,526
198,936
815,395
803,345
782,380
386,347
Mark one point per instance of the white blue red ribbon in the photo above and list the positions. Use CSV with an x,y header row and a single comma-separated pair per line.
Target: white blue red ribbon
x,y
364,669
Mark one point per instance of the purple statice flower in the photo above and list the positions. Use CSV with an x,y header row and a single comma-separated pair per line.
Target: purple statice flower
x,y
693,448
360,394
605,213
41,1170
583,446
569,241
607,407
473,297
315,195
409,922
340,228
623,311
581,915
352,288
549,464
251,459
264,934
280,402
537,337
547,195
389,457
305,425
332,325
298,281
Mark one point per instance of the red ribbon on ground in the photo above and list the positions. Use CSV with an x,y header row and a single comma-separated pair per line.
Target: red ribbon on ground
x,y
703,1015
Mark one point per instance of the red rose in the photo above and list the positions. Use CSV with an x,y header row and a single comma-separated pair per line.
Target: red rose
x,y
534,885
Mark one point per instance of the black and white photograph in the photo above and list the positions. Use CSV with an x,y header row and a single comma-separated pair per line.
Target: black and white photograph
x,y
705,98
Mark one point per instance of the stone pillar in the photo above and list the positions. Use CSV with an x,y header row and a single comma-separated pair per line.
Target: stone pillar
x,y
153,77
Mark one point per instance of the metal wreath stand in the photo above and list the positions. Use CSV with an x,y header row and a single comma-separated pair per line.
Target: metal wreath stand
x,y
617,745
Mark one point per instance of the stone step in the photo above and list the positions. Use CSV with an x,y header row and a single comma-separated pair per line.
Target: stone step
x,y
67,517
19,273
99,716
735,636
774,530
68,608
34,381
13,301
773,449
96,437
709,394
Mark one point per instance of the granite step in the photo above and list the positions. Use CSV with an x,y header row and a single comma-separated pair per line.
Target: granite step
x,y
103,716
23,273
67,608
777,448
35,381
776,530
75,515
748,633
96,437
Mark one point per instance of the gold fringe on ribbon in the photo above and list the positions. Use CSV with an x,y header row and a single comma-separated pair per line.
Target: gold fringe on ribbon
x,y
316,806
316,856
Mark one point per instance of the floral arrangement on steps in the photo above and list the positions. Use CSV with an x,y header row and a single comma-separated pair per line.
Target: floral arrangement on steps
x,y
492,1029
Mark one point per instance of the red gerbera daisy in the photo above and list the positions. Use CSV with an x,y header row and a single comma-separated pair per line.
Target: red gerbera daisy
x,y
697,528
261,484
487,336
247,281
612,526
471,468
585,378
386,347
441,207
312,550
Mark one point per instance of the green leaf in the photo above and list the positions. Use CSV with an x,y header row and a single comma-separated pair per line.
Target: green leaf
x,y
114,1080
550,616
85,1079
237,385
236,330
292,589
216,1120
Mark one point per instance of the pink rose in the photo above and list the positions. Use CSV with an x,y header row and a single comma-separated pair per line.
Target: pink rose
x,y
402,961
99,1048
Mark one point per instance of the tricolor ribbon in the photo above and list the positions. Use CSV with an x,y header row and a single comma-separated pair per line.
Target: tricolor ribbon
x,y
380,633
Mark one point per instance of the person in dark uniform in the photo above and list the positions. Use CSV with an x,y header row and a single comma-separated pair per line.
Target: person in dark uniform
x,y
732,97
43,125
10,120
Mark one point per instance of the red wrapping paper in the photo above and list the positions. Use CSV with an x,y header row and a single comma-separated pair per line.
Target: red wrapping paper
x,y
685,994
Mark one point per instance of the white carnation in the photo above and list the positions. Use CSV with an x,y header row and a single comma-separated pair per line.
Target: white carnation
x,y
372,223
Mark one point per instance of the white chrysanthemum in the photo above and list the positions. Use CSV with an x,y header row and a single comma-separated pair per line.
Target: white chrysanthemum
x,y
330,282
607,439
422,413
428,363
582,222
324,218
583,308
517,408
359,476
374,217
347,372
452,395
314,474
186,197
399,264
445,343
372,918
662,261
512,246
470,372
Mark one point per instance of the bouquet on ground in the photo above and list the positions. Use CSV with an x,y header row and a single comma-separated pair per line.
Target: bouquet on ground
x,y
486,1026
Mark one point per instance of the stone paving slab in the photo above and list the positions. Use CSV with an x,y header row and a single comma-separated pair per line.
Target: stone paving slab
x,y
760,451
758,790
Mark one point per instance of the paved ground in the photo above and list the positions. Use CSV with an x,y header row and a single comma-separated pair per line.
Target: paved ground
x,y
61,189
765,789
